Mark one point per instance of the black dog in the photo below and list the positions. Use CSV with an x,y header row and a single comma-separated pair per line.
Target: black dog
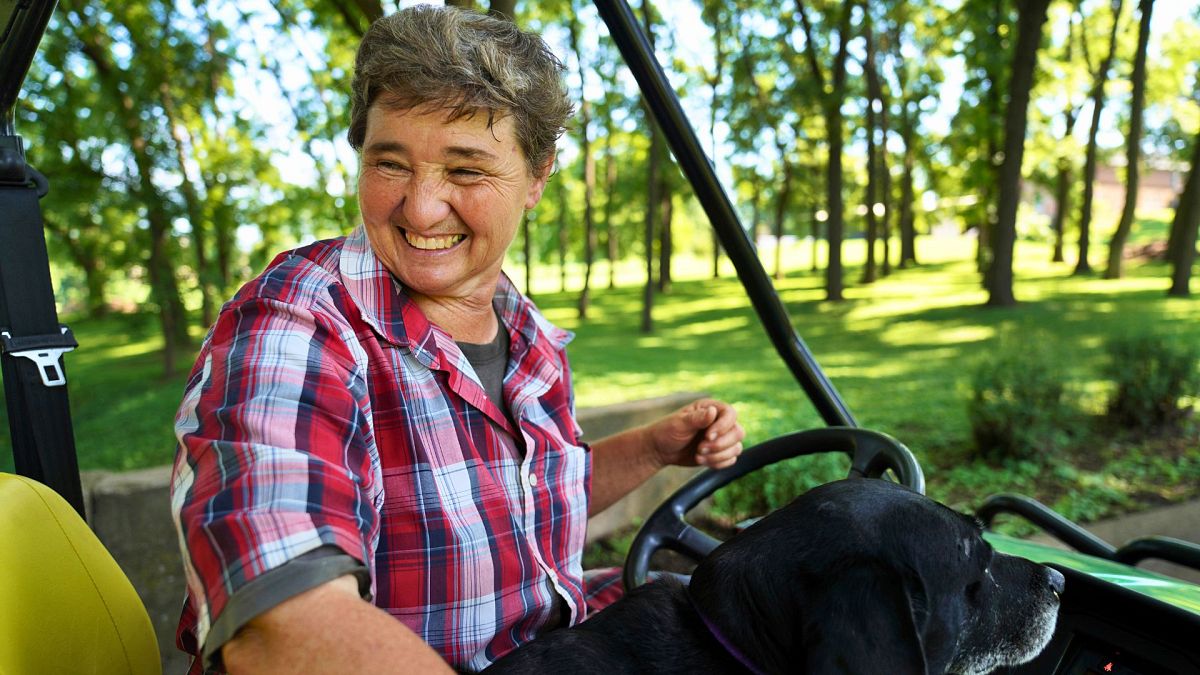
x,y
856,576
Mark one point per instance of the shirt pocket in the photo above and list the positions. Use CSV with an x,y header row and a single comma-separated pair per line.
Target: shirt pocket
x,y
445,512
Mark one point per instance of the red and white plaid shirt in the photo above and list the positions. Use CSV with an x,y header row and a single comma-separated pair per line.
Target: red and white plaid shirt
x,y
325,409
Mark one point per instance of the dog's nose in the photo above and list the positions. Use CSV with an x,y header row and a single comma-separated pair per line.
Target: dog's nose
x,y
1057,581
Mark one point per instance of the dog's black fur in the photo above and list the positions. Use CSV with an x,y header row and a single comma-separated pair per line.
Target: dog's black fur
x,y
856,576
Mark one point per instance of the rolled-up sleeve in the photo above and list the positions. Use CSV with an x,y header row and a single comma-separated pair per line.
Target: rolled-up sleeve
x,y
275,456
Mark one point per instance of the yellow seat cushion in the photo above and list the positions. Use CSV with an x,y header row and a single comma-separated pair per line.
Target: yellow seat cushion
x,y
65,605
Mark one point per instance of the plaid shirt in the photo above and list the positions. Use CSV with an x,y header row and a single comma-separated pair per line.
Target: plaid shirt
x,y
324,408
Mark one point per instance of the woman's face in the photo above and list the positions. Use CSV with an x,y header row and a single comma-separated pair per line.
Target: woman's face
x,y
441,200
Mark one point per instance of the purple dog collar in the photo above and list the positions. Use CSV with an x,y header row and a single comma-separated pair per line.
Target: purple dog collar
x,y
724,642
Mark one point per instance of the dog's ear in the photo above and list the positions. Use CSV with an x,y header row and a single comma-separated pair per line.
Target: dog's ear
x,y
864,621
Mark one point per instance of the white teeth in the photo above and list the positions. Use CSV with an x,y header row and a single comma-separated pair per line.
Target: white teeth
x,y
432,243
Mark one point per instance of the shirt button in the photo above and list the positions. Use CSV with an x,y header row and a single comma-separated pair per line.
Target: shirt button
x,y
532,480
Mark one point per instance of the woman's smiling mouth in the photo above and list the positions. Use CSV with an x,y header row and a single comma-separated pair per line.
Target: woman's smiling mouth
x,y
432,243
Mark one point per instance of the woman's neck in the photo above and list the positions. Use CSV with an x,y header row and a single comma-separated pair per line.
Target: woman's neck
x,y
466,319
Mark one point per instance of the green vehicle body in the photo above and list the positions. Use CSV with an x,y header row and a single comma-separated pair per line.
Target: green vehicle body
x,y
1172,591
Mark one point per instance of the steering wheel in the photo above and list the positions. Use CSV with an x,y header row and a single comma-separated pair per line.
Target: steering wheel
x,y
871,453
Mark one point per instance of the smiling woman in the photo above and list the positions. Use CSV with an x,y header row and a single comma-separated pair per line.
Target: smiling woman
x,y
383,417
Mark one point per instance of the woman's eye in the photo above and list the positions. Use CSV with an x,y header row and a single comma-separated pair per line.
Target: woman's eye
x,y
389,166
466,174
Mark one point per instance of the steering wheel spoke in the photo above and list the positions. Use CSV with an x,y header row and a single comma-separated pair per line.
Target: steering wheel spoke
x,y
692,542
871,455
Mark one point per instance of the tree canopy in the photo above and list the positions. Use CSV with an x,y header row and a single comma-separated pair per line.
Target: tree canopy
x,y
189,142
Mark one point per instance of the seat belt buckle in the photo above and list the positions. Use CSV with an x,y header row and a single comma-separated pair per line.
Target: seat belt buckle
x,y
44,350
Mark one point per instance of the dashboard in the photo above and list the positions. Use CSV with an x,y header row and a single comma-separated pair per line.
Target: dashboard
x,y
1107,629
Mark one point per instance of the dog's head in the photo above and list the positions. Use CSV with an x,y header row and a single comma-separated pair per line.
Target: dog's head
x,y
861,573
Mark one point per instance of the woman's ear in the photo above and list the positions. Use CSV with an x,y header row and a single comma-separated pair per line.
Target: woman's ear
x,y
538,186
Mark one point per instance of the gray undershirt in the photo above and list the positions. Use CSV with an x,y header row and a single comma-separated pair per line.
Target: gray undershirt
x,y
328,562
490,361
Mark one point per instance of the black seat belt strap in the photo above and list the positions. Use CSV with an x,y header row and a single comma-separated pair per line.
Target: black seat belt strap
x,y
31,340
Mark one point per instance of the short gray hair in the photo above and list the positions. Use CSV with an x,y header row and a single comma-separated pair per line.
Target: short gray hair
x,y
465,62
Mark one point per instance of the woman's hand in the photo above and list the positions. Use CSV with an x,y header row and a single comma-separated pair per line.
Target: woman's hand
x,y
702,433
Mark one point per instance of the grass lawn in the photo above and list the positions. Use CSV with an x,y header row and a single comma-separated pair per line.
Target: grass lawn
x,y
899,351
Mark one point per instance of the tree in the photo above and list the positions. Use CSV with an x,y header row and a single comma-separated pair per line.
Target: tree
x,y
653,195
588,160
982,33
1116,247
999,277
912,31
766,91
831,104
878,192
1083,266
1182,249
131,87
1065,161
611,236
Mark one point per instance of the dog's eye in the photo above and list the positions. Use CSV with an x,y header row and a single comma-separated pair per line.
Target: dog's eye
x,y
972,591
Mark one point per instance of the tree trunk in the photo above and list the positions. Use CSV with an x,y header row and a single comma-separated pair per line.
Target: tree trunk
x,y
756,210
1062,190
1083,265
908,225
870,196
611,240
1116,247
504,9
652,197
87,260
713,114
878,179
989,191
191,201
999,276
1182,249
781,209
717,255
832,108
1062,197
652,206
527,252
816,241
589,169
666,212
563,237
610,188
589,227
885,187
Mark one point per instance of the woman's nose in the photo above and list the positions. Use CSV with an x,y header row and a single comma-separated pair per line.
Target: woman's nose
x,y
424,203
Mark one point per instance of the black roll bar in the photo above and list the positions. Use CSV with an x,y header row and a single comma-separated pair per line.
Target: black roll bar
x,y
667,112
32,342
21,28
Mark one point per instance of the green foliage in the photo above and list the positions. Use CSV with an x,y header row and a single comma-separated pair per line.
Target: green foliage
x,y
1019,402
772,487
1152,375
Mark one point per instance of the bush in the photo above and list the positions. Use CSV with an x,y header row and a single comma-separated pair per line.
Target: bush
x,y
763,491
1019,404
1152,373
